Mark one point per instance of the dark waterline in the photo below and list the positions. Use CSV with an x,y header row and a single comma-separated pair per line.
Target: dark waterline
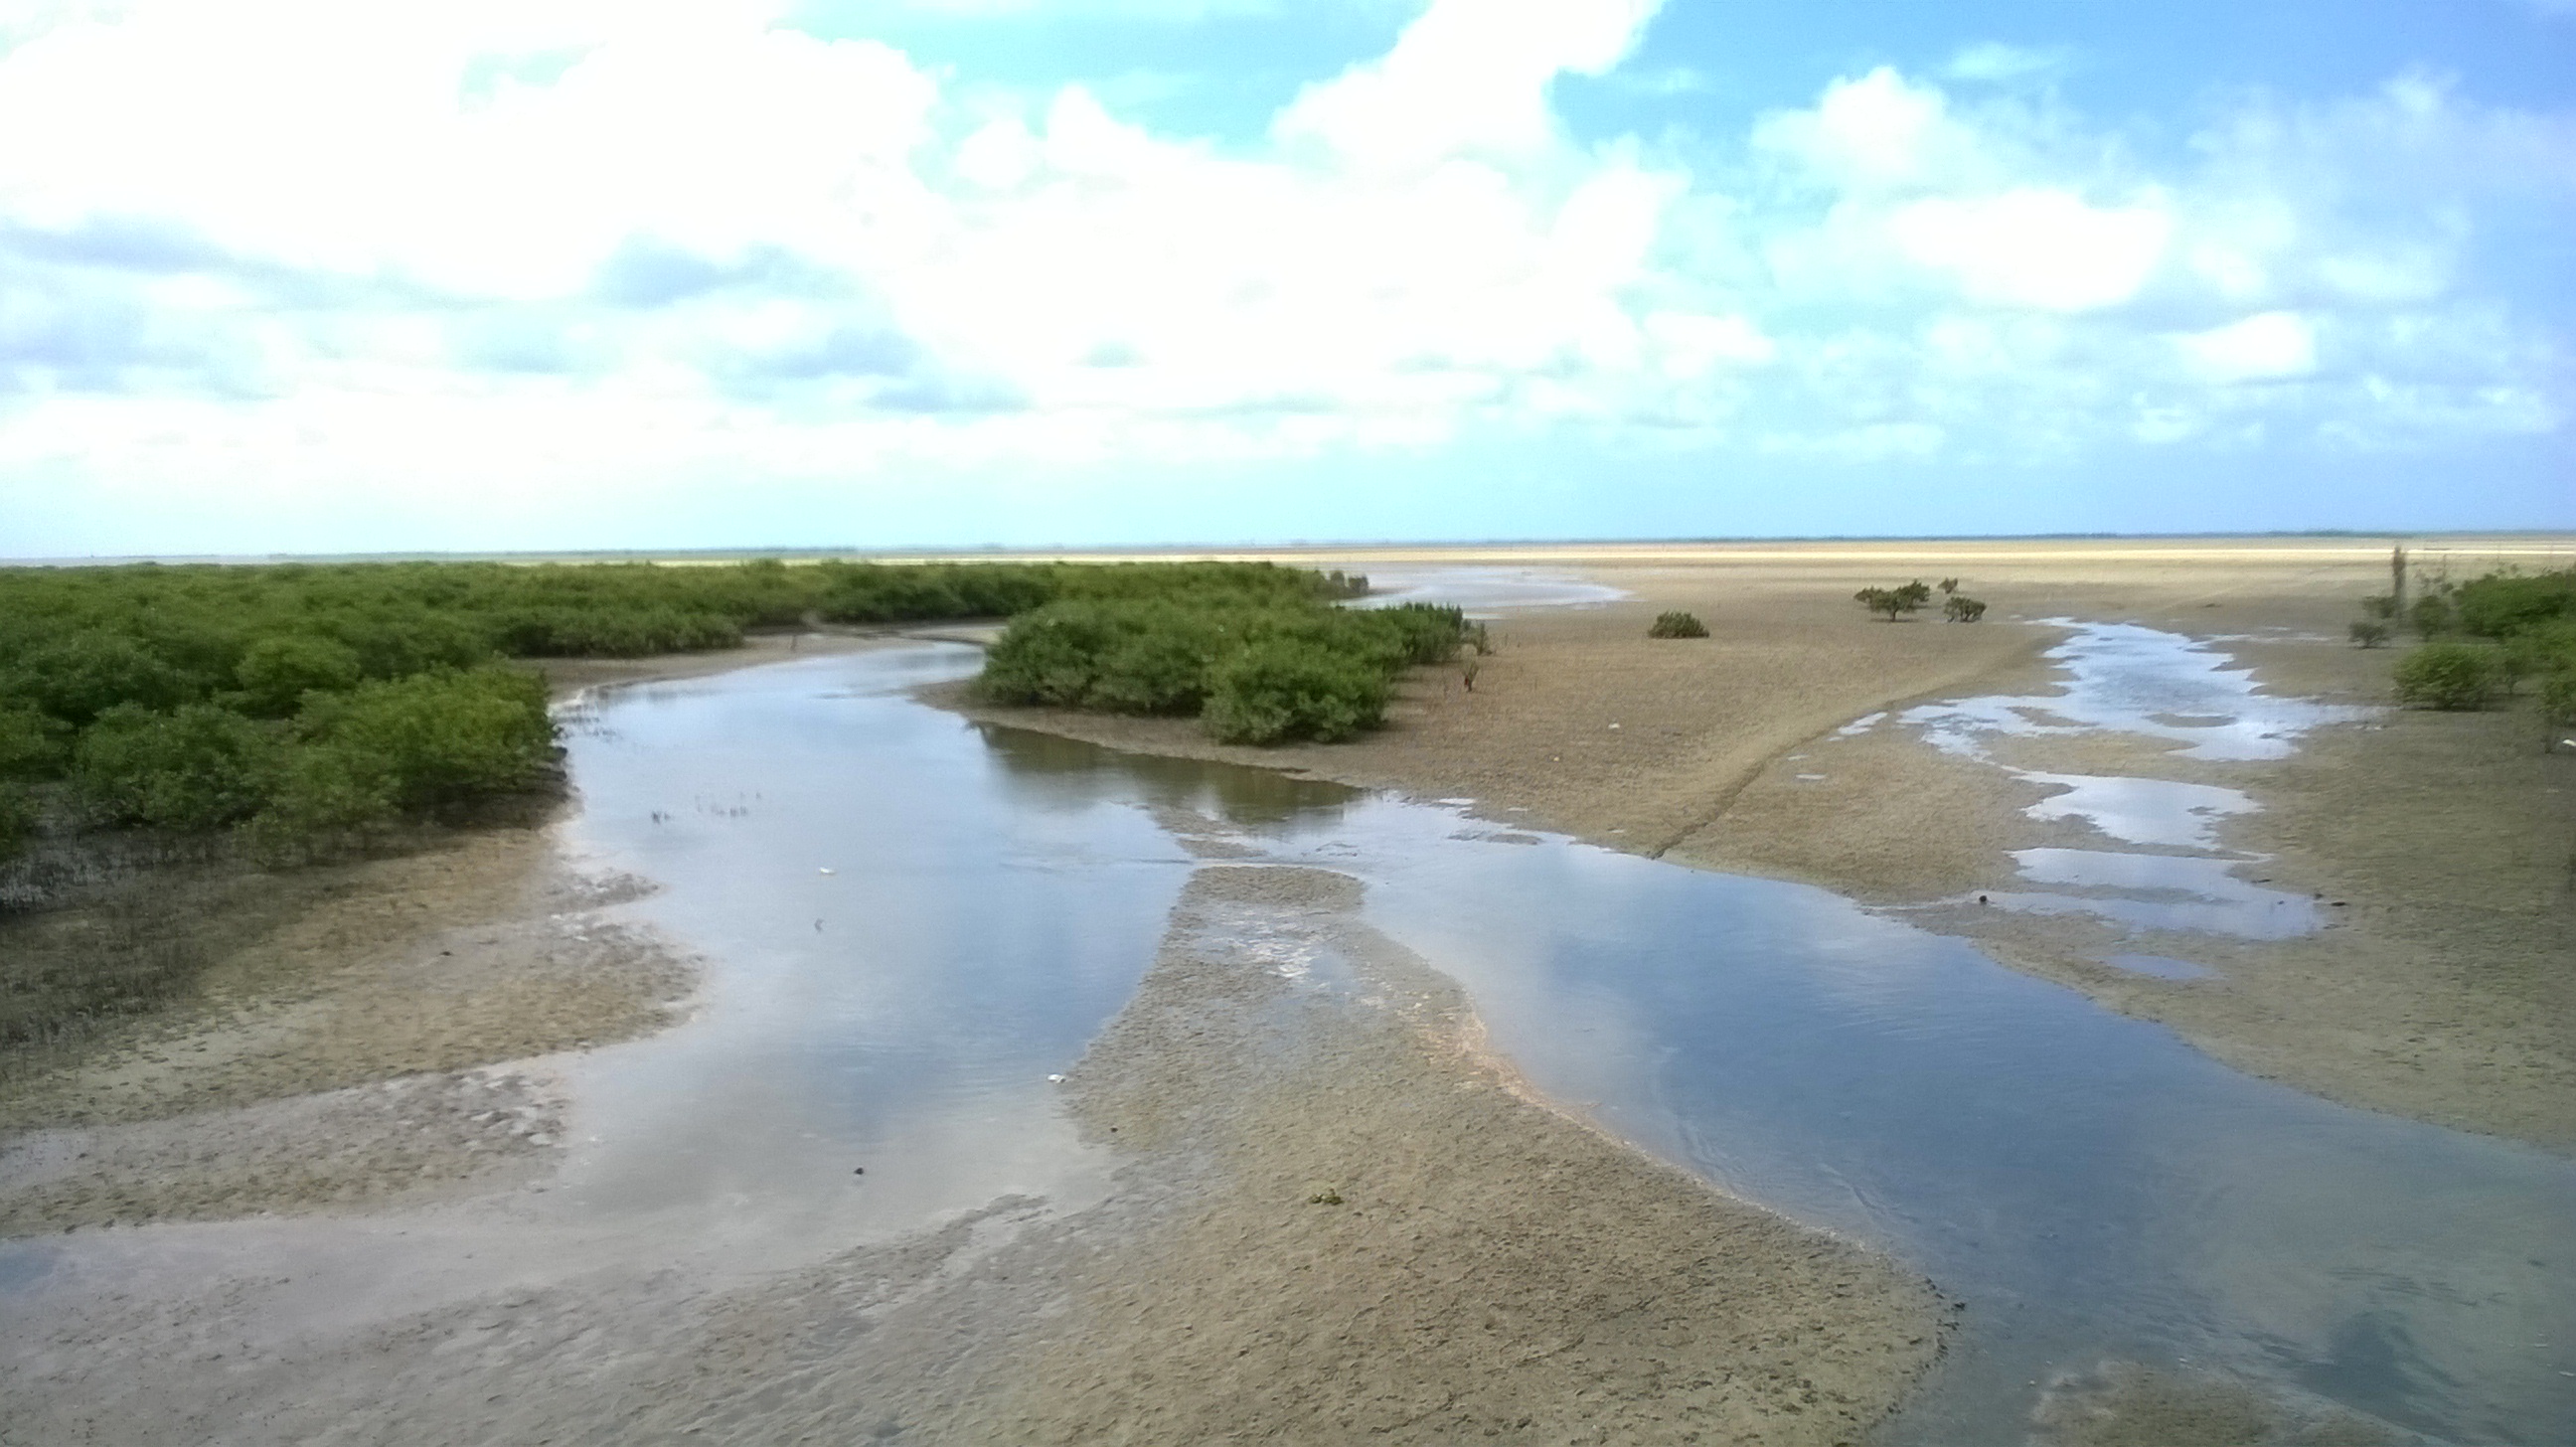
x,y
2089,1186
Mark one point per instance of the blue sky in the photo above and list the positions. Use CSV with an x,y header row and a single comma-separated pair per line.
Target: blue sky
x,y
296,275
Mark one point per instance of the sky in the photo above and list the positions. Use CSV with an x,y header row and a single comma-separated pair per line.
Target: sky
x,y
312,276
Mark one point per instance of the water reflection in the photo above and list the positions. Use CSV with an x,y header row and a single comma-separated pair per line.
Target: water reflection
x,y
1485,592
2126,678
2089,1185
1053,769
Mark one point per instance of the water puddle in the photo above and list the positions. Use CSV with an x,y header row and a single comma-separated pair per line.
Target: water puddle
x,y
2159,892
2125,678
2140,811
2129,679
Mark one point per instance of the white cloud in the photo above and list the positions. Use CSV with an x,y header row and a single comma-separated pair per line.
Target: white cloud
x,y
1467,76
1993,60
288,237
1878,131
2268,346
2037,246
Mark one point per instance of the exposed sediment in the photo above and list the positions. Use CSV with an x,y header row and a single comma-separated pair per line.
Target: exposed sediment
x,y
1332,1221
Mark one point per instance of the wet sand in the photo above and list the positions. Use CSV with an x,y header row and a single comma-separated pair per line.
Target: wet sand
x,y
1333,1220
346,1060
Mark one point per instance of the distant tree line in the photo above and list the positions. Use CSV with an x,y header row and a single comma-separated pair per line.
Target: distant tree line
x,y
299,701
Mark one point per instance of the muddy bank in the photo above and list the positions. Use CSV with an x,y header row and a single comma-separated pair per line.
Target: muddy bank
x,y
483,949
1332,1221
2439,849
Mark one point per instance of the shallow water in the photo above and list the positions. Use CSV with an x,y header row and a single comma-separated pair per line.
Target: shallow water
x,y
2138,680
2089,1185
2124,678
2086,1183
1483,592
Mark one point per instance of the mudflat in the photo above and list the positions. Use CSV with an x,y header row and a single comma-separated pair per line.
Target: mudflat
x,y
1332,1217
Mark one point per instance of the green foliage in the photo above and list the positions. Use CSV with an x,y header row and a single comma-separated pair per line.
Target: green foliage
x,y
194,768
80,675
2558,697
1127,650
1949,586
324,791
1285,688
320,698
2369,632
2431,616
2381,606
276,672
2501,605
32,746
1960,608
432,739
17,820
1895,602
2447,676
1677,625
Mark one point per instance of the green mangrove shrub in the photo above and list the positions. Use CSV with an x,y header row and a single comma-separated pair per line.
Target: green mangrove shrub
x,y
196,767
1286,688
1167,656
1677,625
2447,676
1894,603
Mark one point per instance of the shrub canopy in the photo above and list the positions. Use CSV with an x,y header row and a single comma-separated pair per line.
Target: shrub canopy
x,y
2447,676
1184,658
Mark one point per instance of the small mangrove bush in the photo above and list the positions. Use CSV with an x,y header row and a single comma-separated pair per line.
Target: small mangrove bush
x,y
2447,676
1677,625
1895,603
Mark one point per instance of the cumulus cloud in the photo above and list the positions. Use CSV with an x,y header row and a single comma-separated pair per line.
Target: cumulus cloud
x,y
307,237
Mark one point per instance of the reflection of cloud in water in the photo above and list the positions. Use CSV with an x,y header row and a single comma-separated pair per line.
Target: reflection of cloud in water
x,y
2141,811
2162,892
2434,1325
2137,680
